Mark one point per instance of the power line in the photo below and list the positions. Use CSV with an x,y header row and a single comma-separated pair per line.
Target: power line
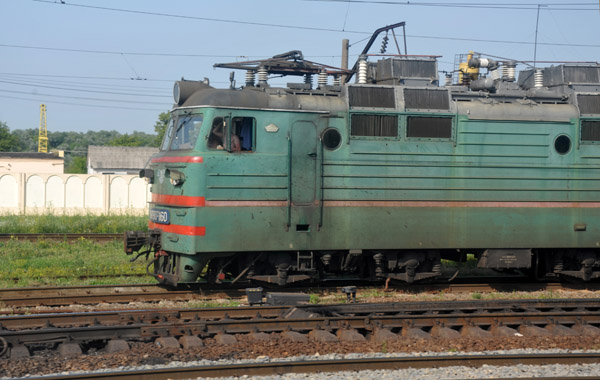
x,y
97,77
502,41
508,6
83,105
238,22
83,98
102,86
328,56
122,52
75,89
85,77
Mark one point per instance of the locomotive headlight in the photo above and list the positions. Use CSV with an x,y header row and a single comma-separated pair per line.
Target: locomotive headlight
x,y
176,177
177,93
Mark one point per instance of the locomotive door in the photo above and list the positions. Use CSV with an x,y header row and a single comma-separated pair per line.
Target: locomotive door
x,y
303,157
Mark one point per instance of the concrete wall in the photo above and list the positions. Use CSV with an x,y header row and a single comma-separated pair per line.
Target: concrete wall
x,y
31,165
27,193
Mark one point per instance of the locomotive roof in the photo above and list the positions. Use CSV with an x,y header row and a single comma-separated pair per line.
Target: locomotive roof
x,y
264,98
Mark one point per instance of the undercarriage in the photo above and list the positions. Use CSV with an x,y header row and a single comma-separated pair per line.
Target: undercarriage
x,y
408,266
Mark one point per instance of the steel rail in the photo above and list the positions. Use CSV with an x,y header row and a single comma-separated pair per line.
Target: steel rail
x,y
93,294
313,366
555,316
392,310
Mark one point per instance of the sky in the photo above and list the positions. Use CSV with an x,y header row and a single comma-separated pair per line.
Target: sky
x,y
111,64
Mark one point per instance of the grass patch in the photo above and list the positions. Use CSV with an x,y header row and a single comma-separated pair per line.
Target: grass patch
x,y
56,224
81,263
223,302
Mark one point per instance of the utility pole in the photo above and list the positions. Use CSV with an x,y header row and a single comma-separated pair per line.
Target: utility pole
x,y
43,134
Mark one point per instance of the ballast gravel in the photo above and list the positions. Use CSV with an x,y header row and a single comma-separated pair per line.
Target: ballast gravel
x,y
456,372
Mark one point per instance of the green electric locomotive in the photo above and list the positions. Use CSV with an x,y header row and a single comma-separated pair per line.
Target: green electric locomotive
x,y
377,172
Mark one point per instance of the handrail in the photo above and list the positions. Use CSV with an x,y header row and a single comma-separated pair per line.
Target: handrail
x,y
289,204
321,197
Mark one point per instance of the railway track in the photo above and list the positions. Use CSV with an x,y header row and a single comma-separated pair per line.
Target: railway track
x,y
100,238
314,366
353,323
93,294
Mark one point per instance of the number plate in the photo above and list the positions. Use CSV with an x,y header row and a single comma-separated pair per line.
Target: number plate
x,y
161,216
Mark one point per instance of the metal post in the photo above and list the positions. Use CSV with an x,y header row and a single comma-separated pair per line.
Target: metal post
x,y
537,22
345,48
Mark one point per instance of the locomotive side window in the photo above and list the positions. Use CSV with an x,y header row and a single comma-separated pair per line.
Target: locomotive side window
x,y
239,139
243,130
429,127
186,132
374,125
215,139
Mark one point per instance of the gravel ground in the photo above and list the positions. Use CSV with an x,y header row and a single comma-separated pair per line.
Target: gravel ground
x,y
485,372
457,372
147,354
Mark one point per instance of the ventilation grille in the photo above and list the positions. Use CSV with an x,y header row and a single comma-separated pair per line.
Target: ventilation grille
x,y
374,125
589,104
426,99
590,130
429,127
396,68
375,97
581,74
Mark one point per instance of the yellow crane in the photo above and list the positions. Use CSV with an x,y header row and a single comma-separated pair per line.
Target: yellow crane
x,y
43,135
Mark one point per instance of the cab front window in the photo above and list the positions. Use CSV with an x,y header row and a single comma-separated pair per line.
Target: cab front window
x,y
168,134
186,132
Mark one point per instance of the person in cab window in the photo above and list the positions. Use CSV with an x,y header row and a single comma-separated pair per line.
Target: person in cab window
x,y
246,134
236,145
215,140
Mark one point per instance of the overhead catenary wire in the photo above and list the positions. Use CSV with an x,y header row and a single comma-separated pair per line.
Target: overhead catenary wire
x,y
81,90
447,38
102,86
162,14
96,77
85,105
589,6
83,98
84,77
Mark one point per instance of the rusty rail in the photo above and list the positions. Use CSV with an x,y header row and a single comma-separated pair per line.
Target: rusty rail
x,y
93,294
478,319
313,366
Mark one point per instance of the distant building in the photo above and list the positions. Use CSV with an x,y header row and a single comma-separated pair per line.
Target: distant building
x,y
31,162
117,159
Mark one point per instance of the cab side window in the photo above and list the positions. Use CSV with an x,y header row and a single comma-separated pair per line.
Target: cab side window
x,y
243,128
216,138
240,138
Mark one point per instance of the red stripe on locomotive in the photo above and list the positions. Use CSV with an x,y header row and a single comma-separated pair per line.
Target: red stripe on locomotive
x,y
177,159
178,200
178,229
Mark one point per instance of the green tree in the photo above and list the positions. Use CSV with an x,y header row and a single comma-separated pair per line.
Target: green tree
x,y
160,127
8,141
135,139
77,165
126,140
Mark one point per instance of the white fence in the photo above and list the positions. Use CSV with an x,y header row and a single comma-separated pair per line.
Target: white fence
x,y
25,193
